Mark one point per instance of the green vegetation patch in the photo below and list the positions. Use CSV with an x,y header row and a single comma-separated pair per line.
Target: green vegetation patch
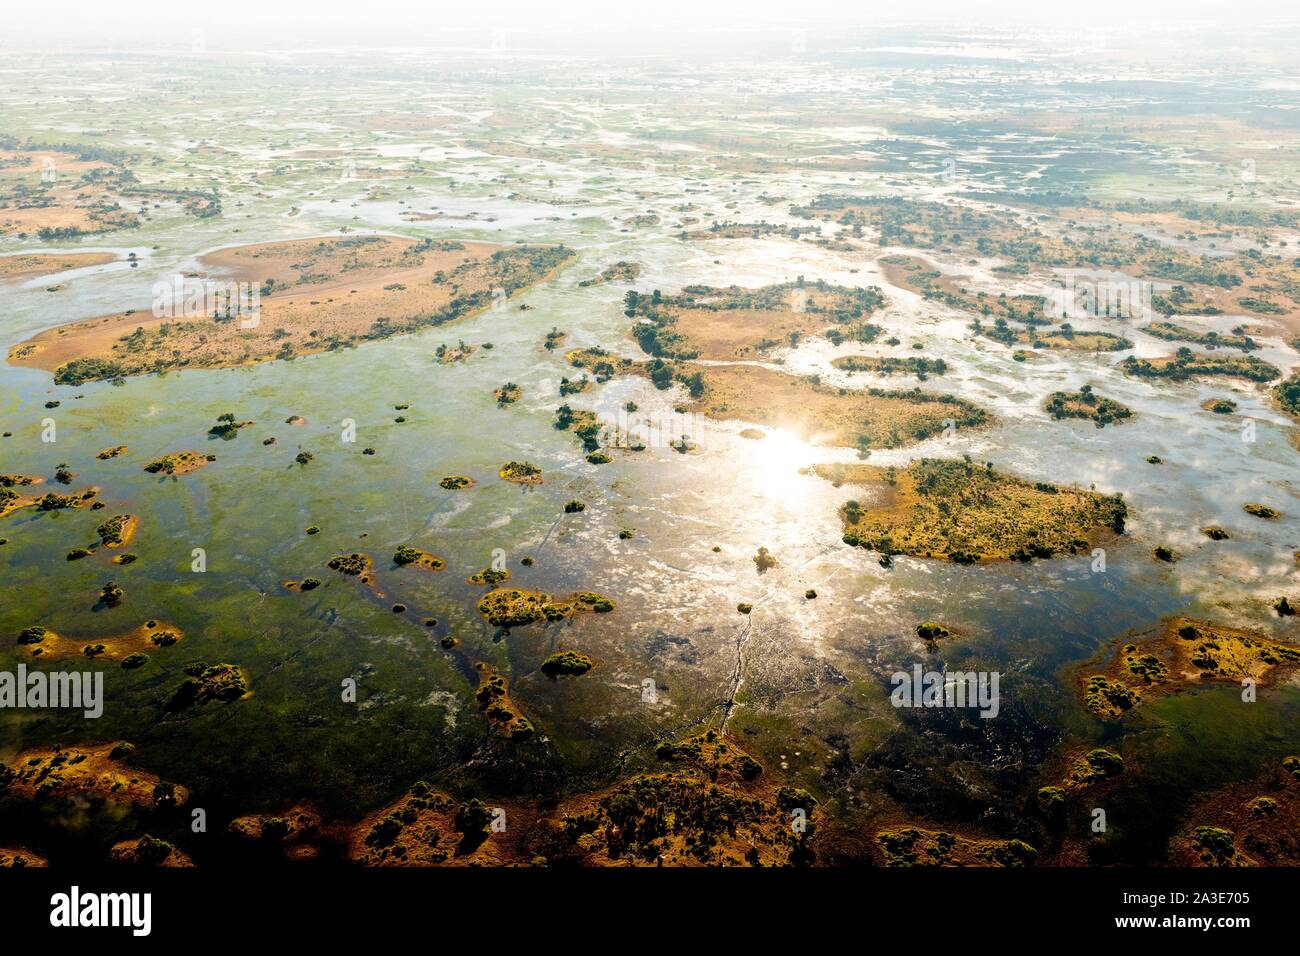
x,y
1260,511
521,472
914,846
1172,332
179,463
116,530
922,368
567,663
351,564
208,682
932,631
1183,653
965,513
516,607
1187,364
1086,403
405,556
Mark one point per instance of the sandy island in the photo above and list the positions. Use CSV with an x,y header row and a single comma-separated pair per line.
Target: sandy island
x,y
315,295
28,265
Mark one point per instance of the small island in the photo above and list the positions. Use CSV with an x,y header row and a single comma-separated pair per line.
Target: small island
x,y
1187,364
414,557
356,564
964,512
179,463
515,607
151,635
520,472
621,271
1261,511
394,286
208,682
494,701
1220,406
1182,653
1085,403
448,355
228,426
489,576
101,771
118,531
566,664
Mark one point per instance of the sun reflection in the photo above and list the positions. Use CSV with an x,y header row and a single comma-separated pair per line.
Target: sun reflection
x,y
775,464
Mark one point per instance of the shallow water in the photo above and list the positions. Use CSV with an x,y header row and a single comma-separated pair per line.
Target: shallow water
x,y
789,677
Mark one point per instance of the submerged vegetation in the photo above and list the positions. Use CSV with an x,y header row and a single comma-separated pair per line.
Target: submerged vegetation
x,y
732,708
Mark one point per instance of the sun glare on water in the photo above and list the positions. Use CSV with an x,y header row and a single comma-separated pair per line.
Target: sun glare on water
x,y
775,464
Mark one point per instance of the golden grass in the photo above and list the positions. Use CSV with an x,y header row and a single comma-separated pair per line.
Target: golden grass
x,y
179,463
85,772
327,293
822,415
1182,653
421,559
517,607
1256,823
918,846
146,638
964,512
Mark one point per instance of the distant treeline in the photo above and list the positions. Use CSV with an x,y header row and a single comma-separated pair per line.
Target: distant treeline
x,y
82,151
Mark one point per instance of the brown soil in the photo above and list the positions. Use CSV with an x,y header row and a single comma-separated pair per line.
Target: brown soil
x,y
328,293
822,415
1261,817
38,264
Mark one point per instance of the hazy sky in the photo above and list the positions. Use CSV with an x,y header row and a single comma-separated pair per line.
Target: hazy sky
x,y
407,22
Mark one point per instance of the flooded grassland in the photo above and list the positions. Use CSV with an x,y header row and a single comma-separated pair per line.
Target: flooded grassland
x,y
572,455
